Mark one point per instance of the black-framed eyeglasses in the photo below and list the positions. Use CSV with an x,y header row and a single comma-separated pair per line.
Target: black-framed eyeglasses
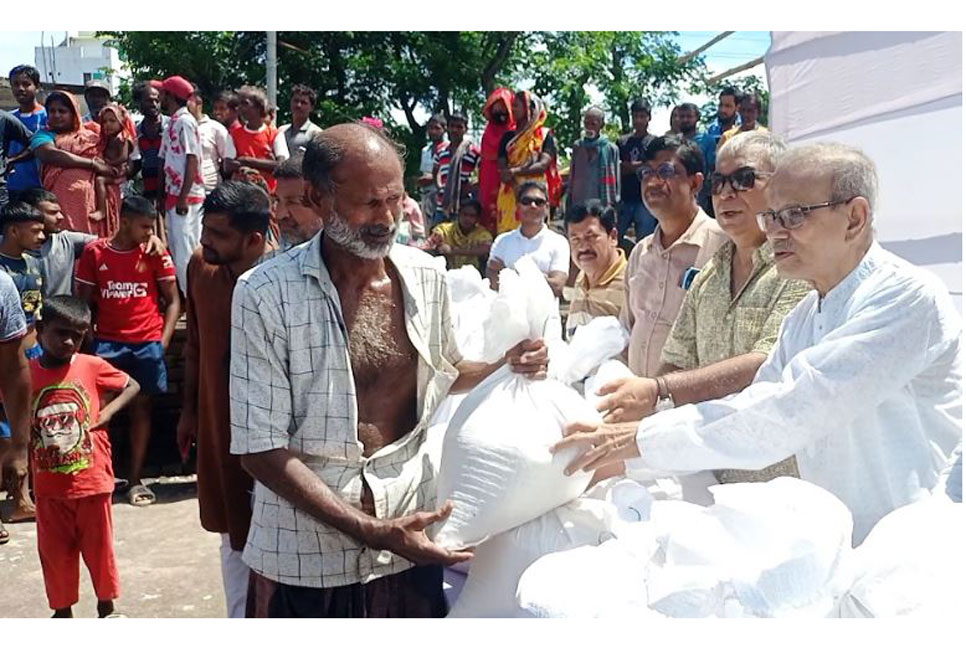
x,y
664,171
793,217
530,200
742,179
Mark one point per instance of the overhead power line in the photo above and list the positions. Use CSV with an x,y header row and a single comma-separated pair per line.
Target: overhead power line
x,y
690,55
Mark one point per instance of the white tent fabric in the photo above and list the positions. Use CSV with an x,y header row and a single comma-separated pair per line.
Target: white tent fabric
x,y
898,97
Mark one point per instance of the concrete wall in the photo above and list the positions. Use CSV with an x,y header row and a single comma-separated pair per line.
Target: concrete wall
x,y
72,62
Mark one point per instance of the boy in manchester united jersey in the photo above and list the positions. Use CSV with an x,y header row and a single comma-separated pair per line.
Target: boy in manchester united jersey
x,y
71,457
126,287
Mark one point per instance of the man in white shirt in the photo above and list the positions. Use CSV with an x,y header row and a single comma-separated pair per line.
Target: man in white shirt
x,y
549,250
300,131
184,190
216,145
864,386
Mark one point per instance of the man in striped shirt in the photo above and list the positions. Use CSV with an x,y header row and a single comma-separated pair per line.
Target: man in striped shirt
x,y
455,168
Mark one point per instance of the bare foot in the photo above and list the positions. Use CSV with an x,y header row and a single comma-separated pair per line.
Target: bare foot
x,y
23,513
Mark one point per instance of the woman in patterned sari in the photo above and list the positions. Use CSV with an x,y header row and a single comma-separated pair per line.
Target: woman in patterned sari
x,y
528,154
68,151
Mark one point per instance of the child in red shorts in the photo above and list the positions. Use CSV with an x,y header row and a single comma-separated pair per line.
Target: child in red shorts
x,y
71,457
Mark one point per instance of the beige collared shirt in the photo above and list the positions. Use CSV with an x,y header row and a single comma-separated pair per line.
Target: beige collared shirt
x,y
654,292
600,300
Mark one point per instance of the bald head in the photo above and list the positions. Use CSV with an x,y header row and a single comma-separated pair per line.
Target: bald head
x,y
342,143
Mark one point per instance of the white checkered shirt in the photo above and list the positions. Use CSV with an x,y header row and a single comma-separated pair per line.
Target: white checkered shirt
x,y
292,387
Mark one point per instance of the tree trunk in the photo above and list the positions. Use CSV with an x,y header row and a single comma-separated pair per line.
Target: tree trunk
x,y
496,62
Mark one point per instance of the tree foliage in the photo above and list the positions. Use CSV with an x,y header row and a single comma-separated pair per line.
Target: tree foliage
x,y
414,74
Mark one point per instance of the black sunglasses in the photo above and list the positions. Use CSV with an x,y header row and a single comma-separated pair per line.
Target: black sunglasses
x,y
742,179
529,200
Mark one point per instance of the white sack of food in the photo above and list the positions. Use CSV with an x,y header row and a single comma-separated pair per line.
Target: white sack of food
x,y
911,563
591,346
774,549
490,589
470,302
606,580
496,464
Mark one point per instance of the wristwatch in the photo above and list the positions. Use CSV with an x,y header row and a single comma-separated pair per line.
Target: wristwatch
x,y
664,400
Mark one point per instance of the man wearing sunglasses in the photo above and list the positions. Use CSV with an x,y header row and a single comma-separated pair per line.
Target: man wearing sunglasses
x,y
733,309
549,250
661,265
864,386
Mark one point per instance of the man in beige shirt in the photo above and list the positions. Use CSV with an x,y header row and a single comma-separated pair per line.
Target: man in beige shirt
x,y
661,266
599,289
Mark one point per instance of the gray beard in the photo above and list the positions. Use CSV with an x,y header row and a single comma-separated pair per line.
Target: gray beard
x,y
338,230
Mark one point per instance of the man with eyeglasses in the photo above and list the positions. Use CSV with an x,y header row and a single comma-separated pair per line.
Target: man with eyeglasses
x,y
864,386
732,312
662,265
549,250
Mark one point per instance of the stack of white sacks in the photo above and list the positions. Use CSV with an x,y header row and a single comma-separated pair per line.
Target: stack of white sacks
x,y
546,546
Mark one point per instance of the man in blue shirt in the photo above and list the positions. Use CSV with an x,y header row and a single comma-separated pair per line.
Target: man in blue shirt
x,y
25,82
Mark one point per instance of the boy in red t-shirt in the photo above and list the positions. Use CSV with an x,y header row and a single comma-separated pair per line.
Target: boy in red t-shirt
x,y
70,455
125,286
257,144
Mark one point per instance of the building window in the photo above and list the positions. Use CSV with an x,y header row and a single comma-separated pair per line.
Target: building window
x,y
87,77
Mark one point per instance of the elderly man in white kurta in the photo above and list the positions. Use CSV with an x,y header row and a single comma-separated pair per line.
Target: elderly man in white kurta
x,y
864,386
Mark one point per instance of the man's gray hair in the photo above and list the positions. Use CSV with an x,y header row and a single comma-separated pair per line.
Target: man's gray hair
x,y
853,172
324,152
764,148
596,110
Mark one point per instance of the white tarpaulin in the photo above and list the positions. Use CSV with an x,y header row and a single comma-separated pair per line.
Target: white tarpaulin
x,y
898,96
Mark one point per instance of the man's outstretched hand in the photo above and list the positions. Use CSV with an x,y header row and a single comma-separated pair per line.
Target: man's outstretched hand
x,y
406,537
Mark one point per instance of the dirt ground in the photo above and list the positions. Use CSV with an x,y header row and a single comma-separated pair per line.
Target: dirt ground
x,y
169,565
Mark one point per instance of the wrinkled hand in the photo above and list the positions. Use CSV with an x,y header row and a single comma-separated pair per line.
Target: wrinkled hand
x,y
406,537
627,399
529,358
231,165
187,433
506,176
444,248
600,445
182,207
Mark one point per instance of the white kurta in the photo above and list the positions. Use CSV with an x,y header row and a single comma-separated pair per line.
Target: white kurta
x,y
864,387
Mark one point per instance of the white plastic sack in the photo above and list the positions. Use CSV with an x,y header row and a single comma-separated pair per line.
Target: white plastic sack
x,y
590,346
911,563
605,580
770,549
496,463
470,301
490,590
521,310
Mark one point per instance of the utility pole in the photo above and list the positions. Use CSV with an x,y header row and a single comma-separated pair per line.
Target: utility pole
x,y
690,55
271,65
735,70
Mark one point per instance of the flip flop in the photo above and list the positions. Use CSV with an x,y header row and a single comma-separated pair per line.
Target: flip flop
x,y
4,535
115,615
140,495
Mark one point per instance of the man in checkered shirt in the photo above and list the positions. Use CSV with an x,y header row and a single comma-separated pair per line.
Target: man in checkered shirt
x,y
342,348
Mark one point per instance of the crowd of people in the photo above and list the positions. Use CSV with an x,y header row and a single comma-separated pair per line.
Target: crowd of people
x,y
769,333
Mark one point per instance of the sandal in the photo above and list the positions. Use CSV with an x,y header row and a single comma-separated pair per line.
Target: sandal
x,y
4,535
140,495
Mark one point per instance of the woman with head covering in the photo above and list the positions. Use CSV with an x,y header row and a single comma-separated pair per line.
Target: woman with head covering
x,y
70,154
498,112
528,154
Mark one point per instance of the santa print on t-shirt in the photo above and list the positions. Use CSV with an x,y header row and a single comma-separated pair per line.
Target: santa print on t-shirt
x,y
71,458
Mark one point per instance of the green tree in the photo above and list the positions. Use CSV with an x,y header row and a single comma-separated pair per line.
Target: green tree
x,y
619,65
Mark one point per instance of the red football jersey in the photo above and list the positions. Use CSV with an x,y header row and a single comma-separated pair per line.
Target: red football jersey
x,y
126,291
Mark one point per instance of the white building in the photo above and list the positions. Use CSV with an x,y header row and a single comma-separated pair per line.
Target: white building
x,y
78,59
